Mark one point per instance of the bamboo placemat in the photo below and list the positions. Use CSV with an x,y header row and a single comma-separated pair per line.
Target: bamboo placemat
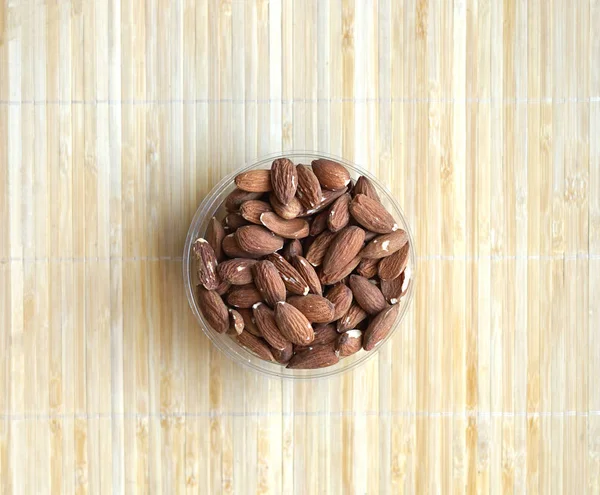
x,y
117,117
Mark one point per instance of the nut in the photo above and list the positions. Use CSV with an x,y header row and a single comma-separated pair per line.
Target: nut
x,y
284,180
371,214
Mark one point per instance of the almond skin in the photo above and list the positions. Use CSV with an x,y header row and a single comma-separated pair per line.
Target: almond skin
x,y
340,296
371,214
380,327
384,245
253,209
368,267
244,296
269,283
234,221
206,264
232,249
291,210
325,333
393,265
257,240
343,249
214,235
265,321
339,275
213,309
339,213
237,271
309,190
237,197
249,322
308,274
351,319
283,356
370,235
319,223
318,249
331,174
319,356
394,289
291,249
327,198
284,179
365,186
348,343
236,322
316,308
293,324
367,295
223,287
296,228
257,181
256,345
294,282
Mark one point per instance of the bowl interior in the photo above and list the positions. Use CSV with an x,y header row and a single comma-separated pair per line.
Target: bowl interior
x,y
212,205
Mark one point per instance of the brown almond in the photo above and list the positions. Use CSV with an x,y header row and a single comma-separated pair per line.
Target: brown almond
x,y
213,309
257,240
319,356
341,274
384,245
368,267
340,296
371,214
255,345
296,228
393,265
214,235
351,319
253,209
265,321
249,322
319,223
367,295
258,181
284,179
325,333
237,271
327,198
232,249
365,186
206,264
339,214
370,235
236,322
291,249
317,250
348,343
331,175
343,249
268,282
308,273
309,190
284,355
287,211
380,327
294,282
396,288
293,324
244,296
316,308
237,197
223,287
234,221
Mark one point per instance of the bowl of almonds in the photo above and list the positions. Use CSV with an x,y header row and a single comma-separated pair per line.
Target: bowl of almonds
x,y
300,265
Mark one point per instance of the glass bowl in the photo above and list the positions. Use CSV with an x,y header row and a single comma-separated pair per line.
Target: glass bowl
x,y
212,205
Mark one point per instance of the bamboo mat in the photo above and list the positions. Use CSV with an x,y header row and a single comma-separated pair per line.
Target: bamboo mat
x,y
117,117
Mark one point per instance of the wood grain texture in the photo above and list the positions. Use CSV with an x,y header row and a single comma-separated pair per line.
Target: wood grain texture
x,y
117,117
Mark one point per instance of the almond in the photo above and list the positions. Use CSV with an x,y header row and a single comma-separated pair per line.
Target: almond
x,y
370,235
327,198
341,298
368,267
393,265
284,355
223,287
348,343
213,309
206,264
317,309
214,235
331,174
237,271
293,324
255,345
284,179
253,209
394,289
258,181
380,327
293,281
365,186
309,190
351,319
343,249
232,249
319,223
249,323
236,322
291,210
371,214
296,228
308,274
384,245
367,295
234,221
317,250
291,249
339,214
319,356
257,240
339,275
325,333
244,296
237,197
269,283
265,321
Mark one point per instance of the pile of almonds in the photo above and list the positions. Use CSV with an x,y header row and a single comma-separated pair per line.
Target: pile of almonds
x,y
308,267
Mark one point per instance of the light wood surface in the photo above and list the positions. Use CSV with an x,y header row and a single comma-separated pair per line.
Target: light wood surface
x,y
117,117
